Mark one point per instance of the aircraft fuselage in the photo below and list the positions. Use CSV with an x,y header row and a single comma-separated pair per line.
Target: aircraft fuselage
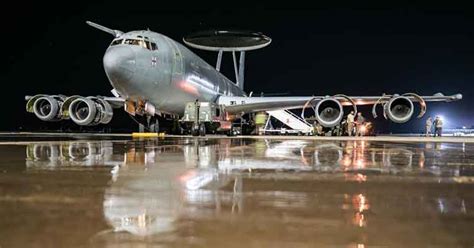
x,y
144,65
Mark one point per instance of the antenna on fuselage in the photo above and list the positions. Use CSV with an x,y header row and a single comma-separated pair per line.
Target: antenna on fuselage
x,y
116,33
229,41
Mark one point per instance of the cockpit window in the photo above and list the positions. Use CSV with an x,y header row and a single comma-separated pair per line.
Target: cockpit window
x,y
116,42
145,44
134,42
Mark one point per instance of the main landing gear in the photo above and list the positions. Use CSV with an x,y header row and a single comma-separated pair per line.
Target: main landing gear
x,y
198,129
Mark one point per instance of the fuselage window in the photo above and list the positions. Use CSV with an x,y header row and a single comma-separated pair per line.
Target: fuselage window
x,y
116,42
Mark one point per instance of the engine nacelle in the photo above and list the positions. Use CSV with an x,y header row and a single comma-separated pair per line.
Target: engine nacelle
x,y
45,107
399,109
329,112
89,111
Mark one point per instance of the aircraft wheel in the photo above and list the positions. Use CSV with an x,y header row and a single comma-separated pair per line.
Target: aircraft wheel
x,y
202,129
195,130
231,132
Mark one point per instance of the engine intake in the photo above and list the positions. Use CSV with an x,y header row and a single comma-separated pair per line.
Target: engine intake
x,y
329,112
90,111
399,109
47,108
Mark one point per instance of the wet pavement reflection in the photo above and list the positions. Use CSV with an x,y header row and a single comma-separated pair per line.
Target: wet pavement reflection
x,y
179,192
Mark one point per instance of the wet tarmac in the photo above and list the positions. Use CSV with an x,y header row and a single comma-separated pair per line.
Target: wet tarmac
x,y
209,192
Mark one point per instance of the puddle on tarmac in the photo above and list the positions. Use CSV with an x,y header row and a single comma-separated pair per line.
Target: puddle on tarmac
x,y
236,192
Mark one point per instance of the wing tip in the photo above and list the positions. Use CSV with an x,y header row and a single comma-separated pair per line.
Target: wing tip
x,y
451,97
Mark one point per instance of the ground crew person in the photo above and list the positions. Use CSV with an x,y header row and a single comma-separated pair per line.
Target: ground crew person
x,y
438,123
428,126
318,129
260,121
350,123
360,124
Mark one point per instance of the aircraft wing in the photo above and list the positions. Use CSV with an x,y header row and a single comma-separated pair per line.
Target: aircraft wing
x,y
116,102
235,104
91,110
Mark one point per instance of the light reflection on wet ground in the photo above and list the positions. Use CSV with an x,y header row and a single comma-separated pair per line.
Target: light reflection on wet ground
x,y
236,192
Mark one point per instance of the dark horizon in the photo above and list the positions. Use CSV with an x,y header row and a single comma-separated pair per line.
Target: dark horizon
x,y
354,50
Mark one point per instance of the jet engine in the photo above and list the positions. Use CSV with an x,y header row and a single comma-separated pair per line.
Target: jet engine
x,y
329,112
399,109
47,108
90,111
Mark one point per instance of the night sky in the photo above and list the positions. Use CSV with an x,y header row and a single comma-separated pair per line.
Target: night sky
x,y
352,49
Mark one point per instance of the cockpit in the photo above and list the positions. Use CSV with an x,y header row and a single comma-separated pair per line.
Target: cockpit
x,y
141,41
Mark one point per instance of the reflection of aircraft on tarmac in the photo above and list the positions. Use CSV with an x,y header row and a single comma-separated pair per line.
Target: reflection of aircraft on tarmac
x,y
152,75
61,155
69,154
154,186
306,155
229,155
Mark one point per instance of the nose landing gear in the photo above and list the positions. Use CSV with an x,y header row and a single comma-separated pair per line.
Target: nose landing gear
x,y
149,124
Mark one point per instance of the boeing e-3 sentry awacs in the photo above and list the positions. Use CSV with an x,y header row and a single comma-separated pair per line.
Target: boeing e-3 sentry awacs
x,y
153,75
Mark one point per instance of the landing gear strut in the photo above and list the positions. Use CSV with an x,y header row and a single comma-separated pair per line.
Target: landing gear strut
x,y
151,124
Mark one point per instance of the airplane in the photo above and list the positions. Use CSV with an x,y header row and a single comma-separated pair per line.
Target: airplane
x,y
153,75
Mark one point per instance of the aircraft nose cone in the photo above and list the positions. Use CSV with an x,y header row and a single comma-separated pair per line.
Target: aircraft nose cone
x,y
119,64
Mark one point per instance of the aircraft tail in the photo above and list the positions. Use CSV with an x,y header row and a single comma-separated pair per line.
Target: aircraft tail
x,y
113,32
